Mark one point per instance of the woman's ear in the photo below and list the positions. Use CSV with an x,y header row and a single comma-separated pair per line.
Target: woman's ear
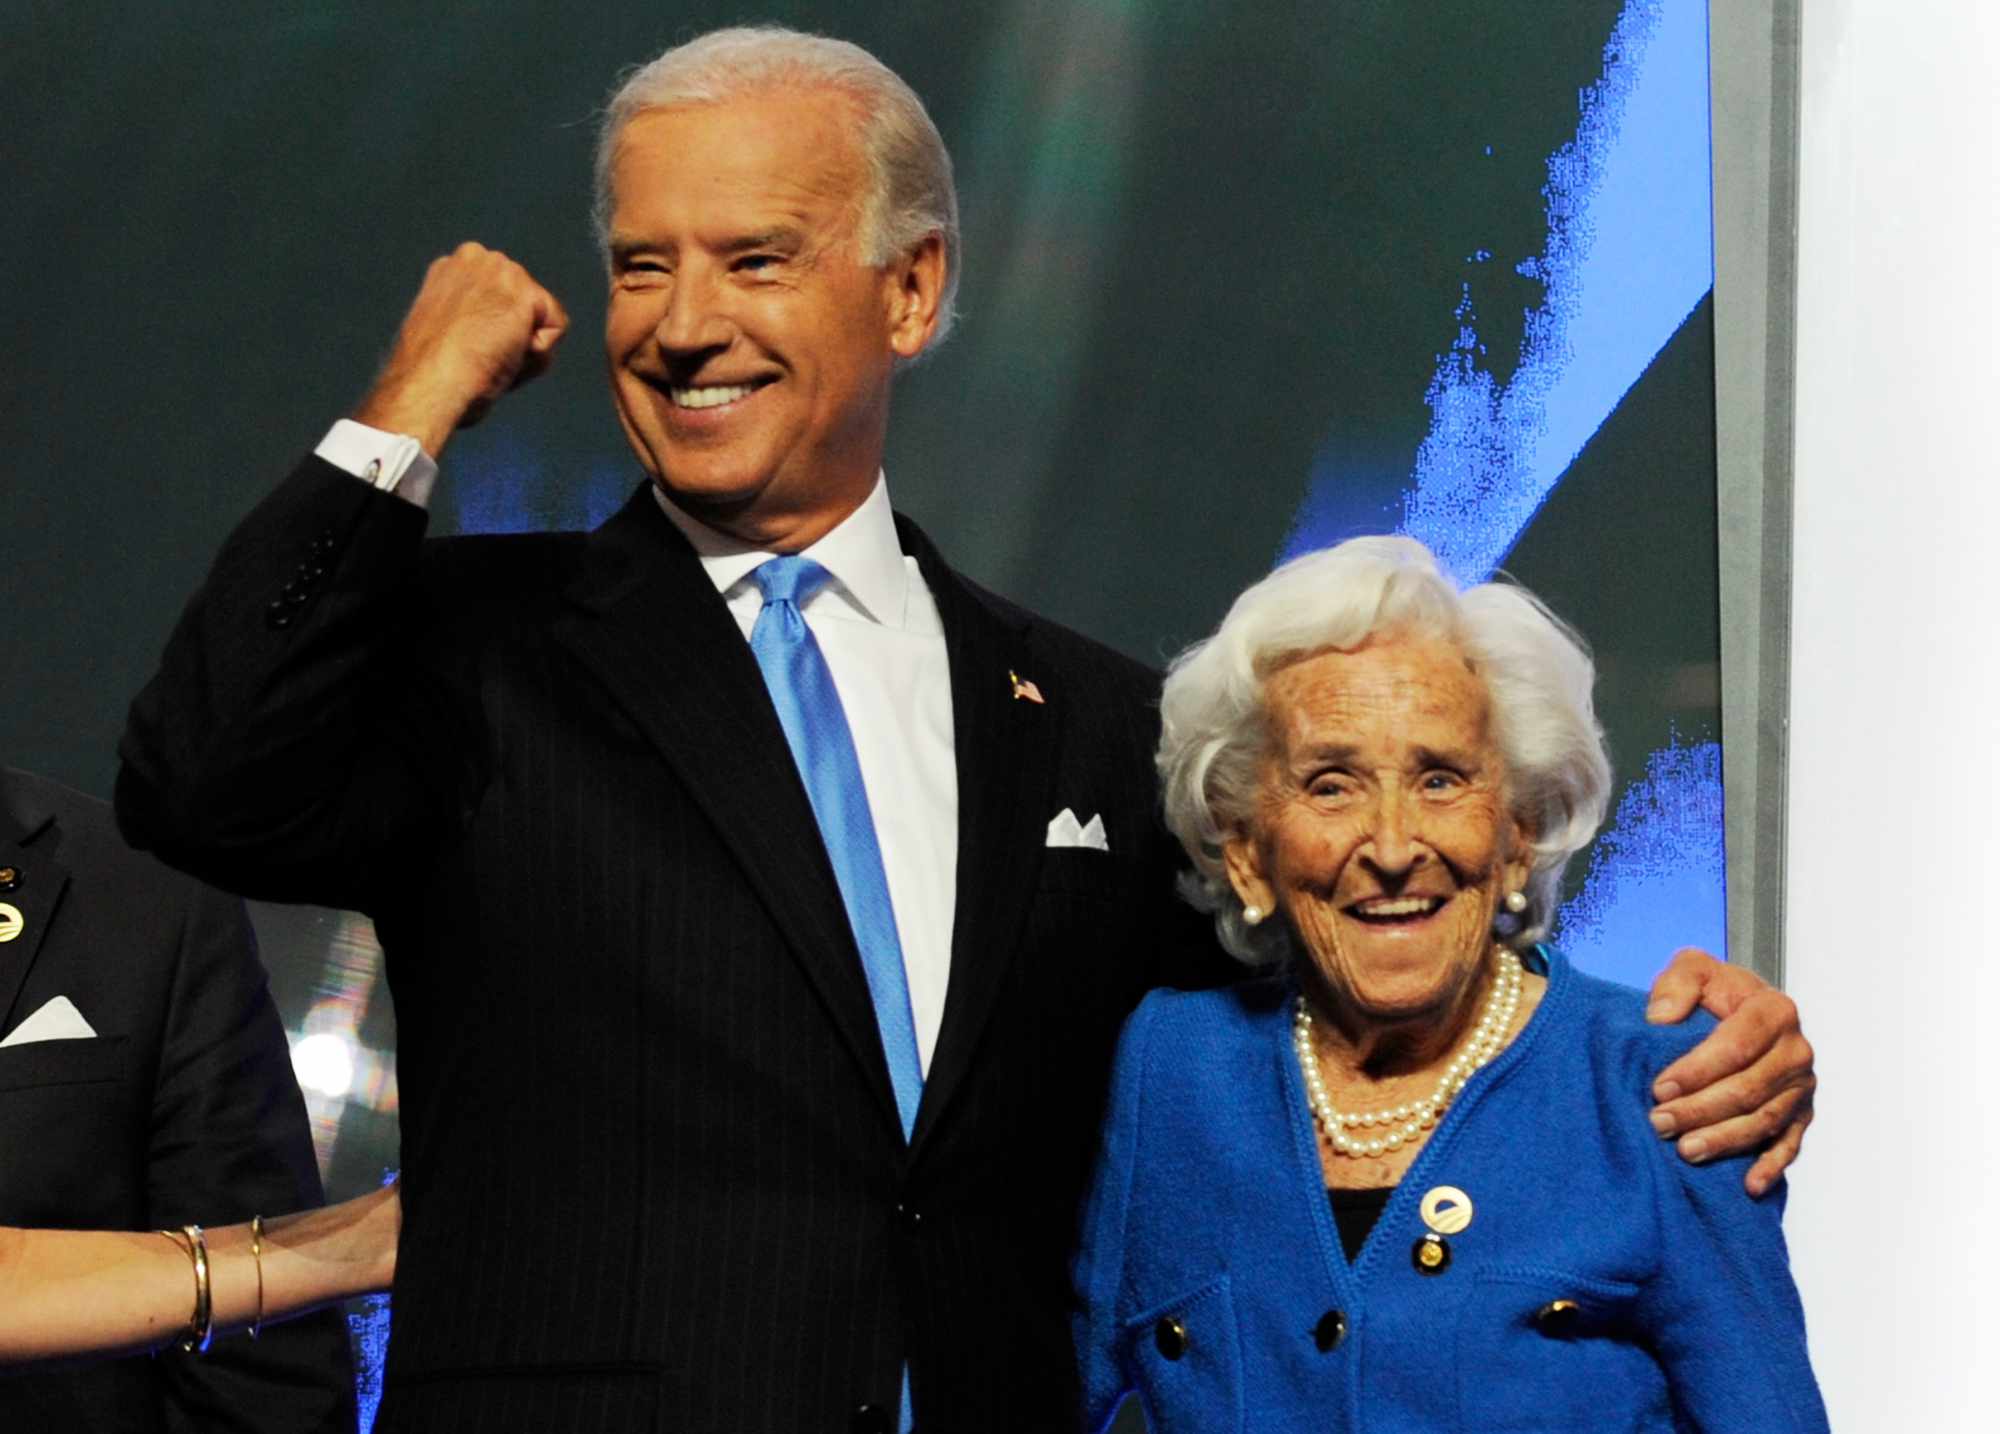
x,y
1520,861
1243,863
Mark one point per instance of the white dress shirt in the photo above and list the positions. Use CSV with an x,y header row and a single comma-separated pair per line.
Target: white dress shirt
x,y
877,626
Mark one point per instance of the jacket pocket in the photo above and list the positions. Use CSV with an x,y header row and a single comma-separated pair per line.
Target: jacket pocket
x,y
1544,1349
95,1060
1187,1364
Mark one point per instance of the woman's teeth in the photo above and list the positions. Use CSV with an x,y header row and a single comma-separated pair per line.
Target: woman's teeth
x,y
1397,906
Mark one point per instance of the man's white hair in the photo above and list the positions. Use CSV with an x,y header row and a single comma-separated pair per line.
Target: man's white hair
x,y
910,193
1215,734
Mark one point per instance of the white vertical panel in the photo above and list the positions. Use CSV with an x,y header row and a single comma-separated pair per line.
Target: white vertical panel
x,y
1893,883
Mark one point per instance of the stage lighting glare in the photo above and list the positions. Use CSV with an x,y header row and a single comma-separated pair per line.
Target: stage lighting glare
x,y
324,1064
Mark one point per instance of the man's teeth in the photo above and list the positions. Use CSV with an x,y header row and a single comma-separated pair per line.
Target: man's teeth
x,y
713,397
1402,906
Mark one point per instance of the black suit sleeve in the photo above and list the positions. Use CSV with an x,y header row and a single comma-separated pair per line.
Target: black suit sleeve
x,y
289,748
229,1139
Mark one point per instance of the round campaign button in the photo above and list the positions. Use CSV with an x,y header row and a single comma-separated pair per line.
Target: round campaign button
x,y
1446,1209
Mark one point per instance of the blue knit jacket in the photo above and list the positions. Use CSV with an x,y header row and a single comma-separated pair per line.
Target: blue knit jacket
x,y
1209,1264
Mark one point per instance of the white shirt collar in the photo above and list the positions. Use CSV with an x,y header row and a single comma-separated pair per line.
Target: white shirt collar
x,y
861,552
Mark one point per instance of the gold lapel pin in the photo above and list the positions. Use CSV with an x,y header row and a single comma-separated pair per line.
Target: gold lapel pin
x,y
1024,690
1446,1209
12,923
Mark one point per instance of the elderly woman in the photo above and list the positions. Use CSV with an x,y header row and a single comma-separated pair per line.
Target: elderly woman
x,y
1406,1182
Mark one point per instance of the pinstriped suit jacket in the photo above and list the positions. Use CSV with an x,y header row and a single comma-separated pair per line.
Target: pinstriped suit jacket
x,y
654,1178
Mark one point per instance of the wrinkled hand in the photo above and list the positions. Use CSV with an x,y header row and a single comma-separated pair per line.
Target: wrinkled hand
x,y
479,326
1749,1084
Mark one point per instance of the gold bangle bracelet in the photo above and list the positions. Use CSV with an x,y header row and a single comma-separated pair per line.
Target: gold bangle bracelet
x,y
180,1244
201,1325
257,1258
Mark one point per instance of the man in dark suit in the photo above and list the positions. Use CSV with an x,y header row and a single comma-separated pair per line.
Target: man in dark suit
x,y
144,1083
755,998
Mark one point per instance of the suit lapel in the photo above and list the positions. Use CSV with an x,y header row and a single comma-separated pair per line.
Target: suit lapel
x,y
40,883
653,630
1006,750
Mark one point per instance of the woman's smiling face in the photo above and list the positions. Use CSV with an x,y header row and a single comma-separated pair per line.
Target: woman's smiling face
x,y
1381,831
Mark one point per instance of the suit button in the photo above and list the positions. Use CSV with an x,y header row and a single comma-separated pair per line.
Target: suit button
x,y
909,1217
10,877
1558,1318
1171,1338
1431,1255
1330,1331
871,1419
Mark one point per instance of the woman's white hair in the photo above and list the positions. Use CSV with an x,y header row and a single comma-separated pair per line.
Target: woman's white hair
x,y
1215,735
910,191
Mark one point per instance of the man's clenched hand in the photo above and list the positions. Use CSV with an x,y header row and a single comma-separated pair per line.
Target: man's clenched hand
x,y
480,325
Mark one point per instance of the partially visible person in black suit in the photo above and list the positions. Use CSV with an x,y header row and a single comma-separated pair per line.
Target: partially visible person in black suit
x,y
759,928
145,1082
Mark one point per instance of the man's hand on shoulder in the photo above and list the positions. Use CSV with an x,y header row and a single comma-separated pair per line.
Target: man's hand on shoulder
x,y
1749,1084
479,326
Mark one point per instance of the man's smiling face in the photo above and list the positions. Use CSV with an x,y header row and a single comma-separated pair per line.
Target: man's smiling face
x,y
750,347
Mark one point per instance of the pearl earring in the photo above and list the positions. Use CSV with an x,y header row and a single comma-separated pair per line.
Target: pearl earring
x,y
1252,915
1517,902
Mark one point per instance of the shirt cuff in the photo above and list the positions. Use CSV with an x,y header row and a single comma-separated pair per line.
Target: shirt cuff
x,y
393,462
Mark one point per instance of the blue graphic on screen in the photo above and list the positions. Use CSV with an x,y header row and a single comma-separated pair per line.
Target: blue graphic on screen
x,y
1656,871
368,1329
1626,261
1628,258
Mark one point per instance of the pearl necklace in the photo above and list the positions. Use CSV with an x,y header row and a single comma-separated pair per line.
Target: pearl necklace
x,y
1407,1122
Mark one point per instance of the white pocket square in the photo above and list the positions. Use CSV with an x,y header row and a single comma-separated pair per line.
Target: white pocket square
x,y
1065,830
58,1020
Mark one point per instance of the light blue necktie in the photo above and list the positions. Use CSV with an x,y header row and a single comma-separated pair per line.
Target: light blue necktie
x,y
816,728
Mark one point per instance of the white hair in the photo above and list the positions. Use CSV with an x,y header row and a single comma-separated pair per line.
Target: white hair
x,y
1215,735
910,193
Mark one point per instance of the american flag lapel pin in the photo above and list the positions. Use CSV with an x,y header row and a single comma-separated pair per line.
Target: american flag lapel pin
x,y
1024,690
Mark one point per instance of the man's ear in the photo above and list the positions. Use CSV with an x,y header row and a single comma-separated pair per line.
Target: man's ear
x,y
1243,863
917,289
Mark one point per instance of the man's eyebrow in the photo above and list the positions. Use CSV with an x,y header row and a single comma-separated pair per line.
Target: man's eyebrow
x,y
782,236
